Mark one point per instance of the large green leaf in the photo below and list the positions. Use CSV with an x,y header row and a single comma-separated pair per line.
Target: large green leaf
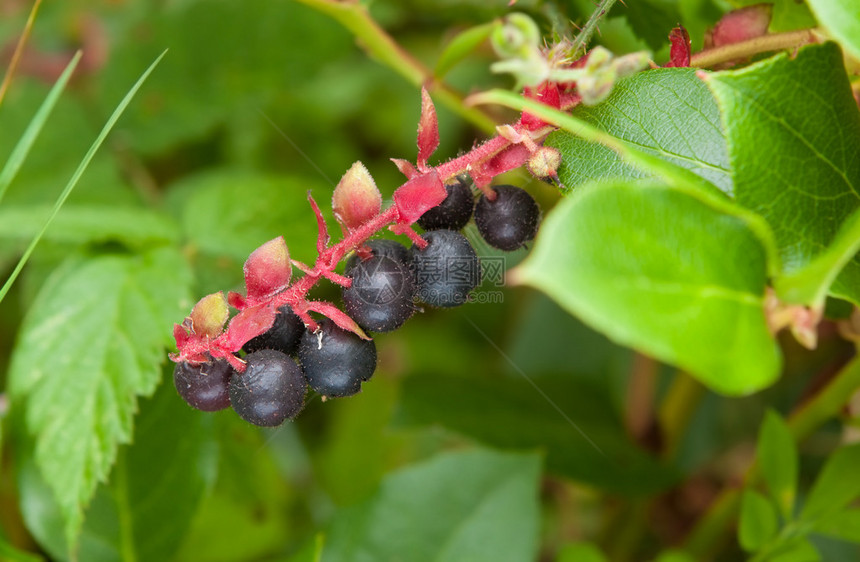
x,y
842,19
668,113
145,510
467,506
793,128
586,442
665,272
91,343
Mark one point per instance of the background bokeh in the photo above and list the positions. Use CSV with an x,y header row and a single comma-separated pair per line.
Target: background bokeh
x,y
256,103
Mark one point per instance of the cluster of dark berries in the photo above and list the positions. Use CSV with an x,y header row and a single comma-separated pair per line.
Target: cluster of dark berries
x,y
387,282
389,279
332,361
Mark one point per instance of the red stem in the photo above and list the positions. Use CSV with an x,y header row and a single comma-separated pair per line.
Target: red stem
x,y
329,257
482,152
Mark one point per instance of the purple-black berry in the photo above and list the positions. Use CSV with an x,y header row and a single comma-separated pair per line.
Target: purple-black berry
x,y
271,390
336,361
453,212
510,220
283,336
380,297
204,386
446,270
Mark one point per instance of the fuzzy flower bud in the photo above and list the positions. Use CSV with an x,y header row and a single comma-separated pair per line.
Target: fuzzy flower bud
x,y
356,198
544,162
208,316
268,269
516,36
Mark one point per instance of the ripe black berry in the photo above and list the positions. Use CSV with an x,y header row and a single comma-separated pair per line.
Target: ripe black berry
x,y
380,297
283,335
271,390
336,361
510,221
453,212
446,270
204,386
382,247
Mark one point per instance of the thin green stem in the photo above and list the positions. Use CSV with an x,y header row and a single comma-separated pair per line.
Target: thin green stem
x,y
713,526
124,510
676,410
827,403
746,49
19,49
76,176
580,43
382,47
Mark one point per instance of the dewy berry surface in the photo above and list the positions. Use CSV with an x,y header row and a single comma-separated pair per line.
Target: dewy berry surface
x,y
510,220
271,390
335,361
283,336
454,212
380,297
204,386
446,270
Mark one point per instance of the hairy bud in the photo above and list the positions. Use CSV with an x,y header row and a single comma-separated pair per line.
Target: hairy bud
x,y
356,198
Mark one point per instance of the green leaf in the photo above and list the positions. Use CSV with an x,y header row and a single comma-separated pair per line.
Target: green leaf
x,y
668,113
842,19
808,284
777,457
25,143
665,272
789,15
90,344
76,176
792,125
590,446
836,486
354,453
795,550
230,213
145,510
147,507
843,524
250,512
758,522
466,506
461,46
89,223
581,552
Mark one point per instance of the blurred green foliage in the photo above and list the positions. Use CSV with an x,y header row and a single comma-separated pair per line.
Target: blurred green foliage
x,y
500,431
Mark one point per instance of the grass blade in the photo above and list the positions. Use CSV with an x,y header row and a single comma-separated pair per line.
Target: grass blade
x,y
22,149
19,50
79,172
